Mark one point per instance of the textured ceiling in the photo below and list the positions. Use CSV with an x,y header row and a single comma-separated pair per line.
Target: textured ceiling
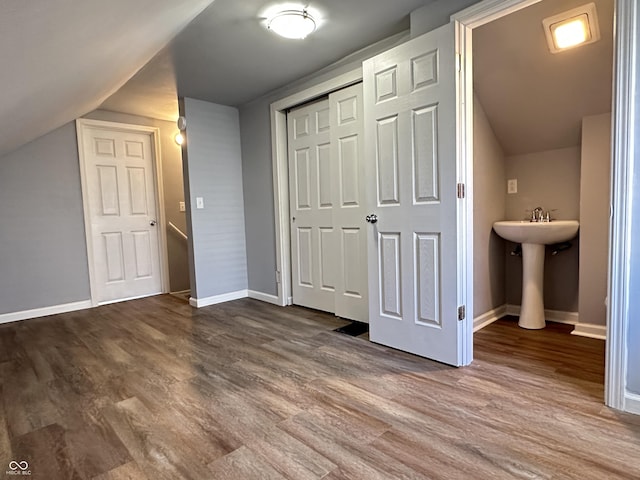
x,y
61,58
227,56
535,100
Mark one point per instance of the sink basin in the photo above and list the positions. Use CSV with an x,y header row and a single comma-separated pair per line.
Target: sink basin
x,y
545,233
534,236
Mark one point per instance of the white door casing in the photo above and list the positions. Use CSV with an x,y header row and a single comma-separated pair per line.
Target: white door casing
x,y
312,235
410,132
349,203
121,210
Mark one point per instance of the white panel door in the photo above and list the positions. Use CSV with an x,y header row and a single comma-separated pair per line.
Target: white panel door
x,y
349,203
119,179
313,246
410,131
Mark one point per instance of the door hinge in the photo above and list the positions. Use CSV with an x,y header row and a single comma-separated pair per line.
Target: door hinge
x,y
462,312
461,191
458,62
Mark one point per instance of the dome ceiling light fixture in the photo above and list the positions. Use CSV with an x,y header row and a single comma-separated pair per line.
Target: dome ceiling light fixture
x,y
294,24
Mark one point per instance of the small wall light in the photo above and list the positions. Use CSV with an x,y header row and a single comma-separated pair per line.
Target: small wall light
x,y
179,138
572,28
295,24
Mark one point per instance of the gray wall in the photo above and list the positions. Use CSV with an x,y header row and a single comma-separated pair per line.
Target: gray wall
x,y
214,171
171,159
43,257
435,14
489,206
633,334
594,218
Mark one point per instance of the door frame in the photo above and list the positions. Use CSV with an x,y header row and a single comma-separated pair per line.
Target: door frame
x,y
623,146
280,167
81,125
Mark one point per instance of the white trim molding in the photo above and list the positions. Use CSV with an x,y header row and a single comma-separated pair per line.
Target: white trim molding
x,y
557,316
281,172
225,297
264,297
591,331
489,317
632,403
45,311
624,124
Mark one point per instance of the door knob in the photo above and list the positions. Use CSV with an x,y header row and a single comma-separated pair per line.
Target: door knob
x,y
373,218
152,223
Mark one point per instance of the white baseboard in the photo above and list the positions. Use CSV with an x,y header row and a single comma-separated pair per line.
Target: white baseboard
x,y
45,311
590,330
264,297
488,318
226,297
632,403
180,292
570,318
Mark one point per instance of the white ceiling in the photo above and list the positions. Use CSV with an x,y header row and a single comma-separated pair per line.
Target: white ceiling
x,y
535,100
61,59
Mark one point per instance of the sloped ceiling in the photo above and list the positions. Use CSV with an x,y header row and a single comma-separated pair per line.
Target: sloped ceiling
x,y
62,58
535,100
227,56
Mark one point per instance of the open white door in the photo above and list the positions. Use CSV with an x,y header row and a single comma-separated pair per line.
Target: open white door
x,y
410,131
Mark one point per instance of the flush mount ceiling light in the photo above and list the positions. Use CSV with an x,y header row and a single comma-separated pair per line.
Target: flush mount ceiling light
x,y
572,28
295,24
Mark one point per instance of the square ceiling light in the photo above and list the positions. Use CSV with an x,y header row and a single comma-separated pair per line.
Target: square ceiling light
x,y
572,28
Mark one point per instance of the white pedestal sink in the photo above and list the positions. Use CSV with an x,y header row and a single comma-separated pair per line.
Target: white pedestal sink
x,y
534,236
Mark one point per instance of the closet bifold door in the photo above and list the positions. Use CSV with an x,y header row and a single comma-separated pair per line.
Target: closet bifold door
x,y
349,203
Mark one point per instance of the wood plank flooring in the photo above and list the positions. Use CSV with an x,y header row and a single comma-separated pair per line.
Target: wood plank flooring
x,y
153,389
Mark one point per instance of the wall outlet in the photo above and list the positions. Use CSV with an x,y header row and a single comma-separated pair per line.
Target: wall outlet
x,y
199,202
512,185
182,206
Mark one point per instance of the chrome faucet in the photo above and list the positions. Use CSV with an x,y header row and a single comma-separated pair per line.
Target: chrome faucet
x,y
538,214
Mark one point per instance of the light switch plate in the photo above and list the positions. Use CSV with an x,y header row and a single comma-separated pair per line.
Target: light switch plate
x,y
199,202
181,206
512,185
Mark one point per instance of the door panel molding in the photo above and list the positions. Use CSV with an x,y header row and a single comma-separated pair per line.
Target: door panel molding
x,y
133,149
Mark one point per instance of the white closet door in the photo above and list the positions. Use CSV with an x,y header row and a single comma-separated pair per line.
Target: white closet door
x,y
313,245
349,203
119,179
410,135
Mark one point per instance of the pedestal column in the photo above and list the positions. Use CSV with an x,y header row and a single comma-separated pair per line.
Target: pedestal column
x,y
532,309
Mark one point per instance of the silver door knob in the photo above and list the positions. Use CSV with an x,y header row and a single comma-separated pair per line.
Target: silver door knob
x,y
152,223
373,218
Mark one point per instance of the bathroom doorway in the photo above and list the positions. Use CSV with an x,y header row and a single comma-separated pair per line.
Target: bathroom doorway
x,y
557,157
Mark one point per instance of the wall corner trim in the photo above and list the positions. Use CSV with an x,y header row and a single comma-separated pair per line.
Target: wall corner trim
x,y
590,330
631,403
264,297
570,318
45,311
489,317
225,297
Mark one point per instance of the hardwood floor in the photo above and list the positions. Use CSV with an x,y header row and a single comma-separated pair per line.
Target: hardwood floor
x,y
152,389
